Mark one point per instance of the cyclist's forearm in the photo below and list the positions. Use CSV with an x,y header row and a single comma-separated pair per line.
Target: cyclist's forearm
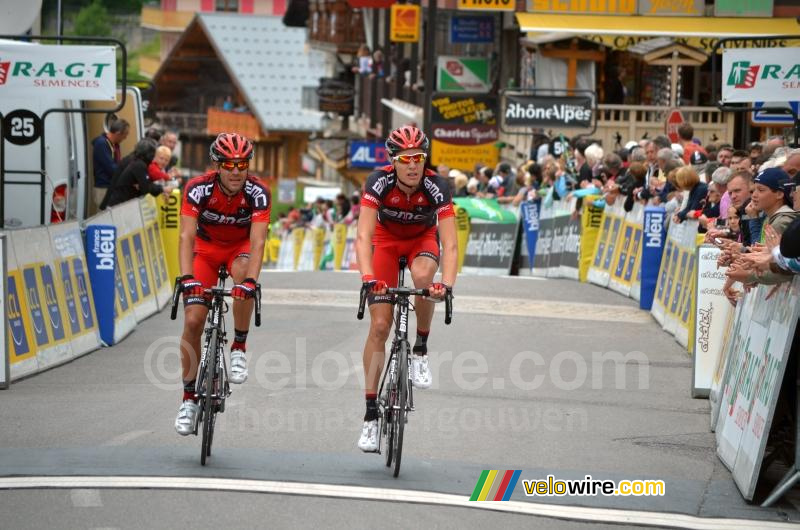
x,y
256,259
186,253
364,255
450,264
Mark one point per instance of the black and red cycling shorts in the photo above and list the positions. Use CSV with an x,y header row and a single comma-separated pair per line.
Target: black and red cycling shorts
x,y
207,259
387,250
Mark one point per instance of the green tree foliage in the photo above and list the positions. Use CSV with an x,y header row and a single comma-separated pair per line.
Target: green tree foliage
x,y
93,21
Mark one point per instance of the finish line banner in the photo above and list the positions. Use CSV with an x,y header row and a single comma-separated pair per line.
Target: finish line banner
x,y
60,72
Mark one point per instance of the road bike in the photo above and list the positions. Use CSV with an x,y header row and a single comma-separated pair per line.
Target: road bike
x,y
396,396
211,386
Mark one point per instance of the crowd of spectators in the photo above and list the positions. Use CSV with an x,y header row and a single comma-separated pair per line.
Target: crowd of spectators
x,y
744,199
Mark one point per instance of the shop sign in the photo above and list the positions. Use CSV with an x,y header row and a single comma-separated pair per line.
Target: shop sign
x,y
367,155
463,74
548,111
487,5
672,8
585,7
336,96
464,110
743,8
466,29
404,23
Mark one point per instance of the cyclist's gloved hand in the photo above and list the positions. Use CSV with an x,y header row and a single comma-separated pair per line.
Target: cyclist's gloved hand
x,y
438,290
244,290
371,285
191,286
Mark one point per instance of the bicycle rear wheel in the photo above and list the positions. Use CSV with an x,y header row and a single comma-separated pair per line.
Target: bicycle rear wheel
x,y
402,398
209,414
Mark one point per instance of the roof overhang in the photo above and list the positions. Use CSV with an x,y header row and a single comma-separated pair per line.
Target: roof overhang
x,y
716,27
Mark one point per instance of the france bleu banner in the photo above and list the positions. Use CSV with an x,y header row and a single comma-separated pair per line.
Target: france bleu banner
x,y
654,237
101,260
529,213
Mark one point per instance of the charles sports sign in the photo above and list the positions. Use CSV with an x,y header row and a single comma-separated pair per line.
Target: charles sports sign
x,y
68,72
768,75
548,111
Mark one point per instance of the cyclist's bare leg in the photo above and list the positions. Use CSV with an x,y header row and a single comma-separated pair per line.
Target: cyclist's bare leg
x,y
423,270
375,349
193,324
242,309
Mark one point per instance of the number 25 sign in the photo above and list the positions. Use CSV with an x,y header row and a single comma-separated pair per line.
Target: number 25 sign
x,y
22,127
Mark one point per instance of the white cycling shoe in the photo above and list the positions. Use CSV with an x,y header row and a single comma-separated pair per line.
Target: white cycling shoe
x,y
369,437
187,417
238,367
421,373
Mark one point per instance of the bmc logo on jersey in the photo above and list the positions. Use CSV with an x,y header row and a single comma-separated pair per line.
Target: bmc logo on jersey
x,y
222,219
257,193
403,216
434,190
199,192
381,184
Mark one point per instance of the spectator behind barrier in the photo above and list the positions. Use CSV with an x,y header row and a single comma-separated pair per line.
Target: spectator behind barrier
x,y
687,180
133,182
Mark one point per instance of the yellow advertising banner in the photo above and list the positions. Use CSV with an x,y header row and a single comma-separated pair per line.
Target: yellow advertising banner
x,y
169,215
298,234
463,157
462,232
339,244
487,5
591,219
404,23
319,246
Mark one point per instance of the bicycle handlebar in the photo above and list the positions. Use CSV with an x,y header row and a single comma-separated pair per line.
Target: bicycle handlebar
x,y
214,291
407,291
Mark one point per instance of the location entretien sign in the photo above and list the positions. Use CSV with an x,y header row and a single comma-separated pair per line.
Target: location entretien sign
x,y
750,75
548,111
68,72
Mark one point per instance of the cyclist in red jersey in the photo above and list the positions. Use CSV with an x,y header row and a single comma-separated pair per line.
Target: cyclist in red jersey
x,y
224,219
401,205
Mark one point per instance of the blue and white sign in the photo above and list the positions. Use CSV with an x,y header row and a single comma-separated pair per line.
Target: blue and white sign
x,y
529,213
472,29
655,235
367,155
769,118
101,258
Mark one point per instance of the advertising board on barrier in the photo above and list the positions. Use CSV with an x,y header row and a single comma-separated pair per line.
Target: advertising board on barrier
x,y
58,71
22,354
713,310
763,334
625,264
490,249
102,262
654,235
591,219
529,214
754,74
4,361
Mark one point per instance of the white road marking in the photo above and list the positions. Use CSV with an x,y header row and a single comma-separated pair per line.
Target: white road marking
x,y
517,307
86,498
572,513
123,439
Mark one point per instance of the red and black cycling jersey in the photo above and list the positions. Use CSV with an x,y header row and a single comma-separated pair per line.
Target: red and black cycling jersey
x,y
407,216
221,218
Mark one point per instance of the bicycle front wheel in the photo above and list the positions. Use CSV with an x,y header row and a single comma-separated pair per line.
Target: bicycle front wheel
x,y
208,403
400,410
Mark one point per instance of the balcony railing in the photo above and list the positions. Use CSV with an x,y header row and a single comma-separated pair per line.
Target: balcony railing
x,y
226,121
185,122
156,18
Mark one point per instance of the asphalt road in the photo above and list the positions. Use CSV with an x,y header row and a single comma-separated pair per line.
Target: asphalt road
x,y
548,377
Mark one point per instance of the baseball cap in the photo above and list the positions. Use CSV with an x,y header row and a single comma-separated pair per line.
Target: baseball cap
x,y
698,158
774,178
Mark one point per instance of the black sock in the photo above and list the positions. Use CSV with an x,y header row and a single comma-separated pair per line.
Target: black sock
x,y
421,344
372,408
188,390
239,340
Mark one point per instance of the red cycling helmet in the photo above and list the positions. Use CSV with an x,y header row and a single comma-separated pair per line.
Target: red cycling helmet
x,y
230,146
406,137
